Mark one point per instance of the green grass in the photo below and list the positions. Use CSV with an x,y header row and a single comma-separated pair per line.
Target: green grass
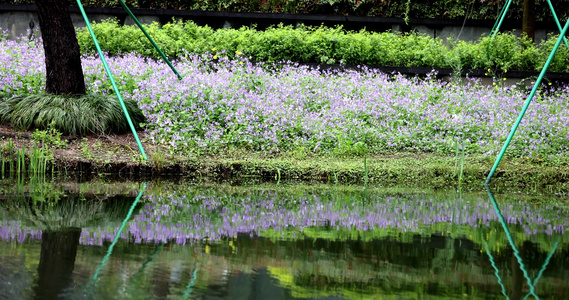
x,y
87,114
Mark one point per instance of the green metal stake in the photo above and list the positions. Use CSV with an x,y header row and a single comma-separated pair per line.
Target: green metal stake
x,y
526,104
150,39
502,12
501,19
115,88
557,21
118,235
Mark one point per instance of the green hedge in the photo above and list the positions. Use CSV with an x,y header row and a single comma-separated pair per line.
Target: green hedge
x,y
442,9
328,45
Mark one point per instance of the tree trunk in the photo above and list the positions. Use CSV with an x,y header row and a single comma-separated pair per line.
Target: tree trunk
x,y
64,74
528,19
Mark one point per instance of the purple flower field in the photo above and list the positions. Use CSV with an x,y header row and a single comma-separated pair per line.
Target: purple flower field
x,y
179,218
223,104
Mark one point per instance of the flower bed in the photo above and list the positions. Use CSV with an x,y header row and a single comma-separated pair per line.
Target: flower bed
x,y
223,104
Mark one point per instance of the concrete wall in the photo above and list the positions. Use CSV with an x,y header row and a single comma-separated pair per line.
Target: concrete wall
x,y
18,23
470,33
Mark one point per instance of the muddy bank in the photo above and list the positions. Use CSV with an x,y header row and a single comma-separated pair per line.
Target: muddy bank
x,y
119,154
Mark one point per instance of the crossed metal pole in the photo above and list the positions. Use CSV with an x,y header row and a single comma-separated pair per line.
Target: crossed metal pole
x,y
494,31
110,74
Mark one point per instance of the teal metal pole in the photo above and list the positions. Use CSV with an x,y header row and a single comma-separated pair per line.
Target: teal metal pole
x,y
502,12
150,39
526,104
501,19
557,21
118,235
115,88
512,244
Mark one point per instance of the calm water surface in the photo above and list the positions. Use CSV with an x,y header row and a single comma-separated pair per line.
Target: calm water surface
x,y
192,241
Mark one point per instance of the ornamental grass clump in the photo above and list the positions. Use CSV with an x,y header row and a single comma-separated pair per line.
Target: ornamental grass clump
x,y
70,115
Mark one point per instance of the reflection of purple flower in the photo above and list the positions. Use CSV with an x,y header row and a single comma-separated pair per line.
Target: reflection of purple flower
x,y
181,219
14,231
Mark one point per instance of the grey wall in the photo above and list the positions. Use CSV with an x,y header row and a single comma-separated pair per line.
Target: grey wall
x,y
18,23
470,33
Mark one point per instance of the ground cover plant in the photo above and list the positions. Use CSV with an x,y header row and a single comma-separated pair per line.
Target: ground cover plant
x,y
305,44
226,104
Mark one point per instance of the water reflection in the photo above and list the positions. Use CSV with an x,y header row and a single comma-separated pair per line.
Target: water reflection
x,y
57,221
242,243
531,283
118,233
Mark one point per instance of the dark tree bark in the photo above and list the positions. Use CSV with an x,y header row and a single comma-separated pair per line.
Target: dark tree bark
x,y
528,19
57,260
64,74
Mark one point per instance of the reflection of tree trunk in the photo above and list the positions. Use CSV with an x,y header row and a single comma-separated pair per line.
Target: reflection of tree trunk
x,y
161,283
267,287
239,286
517,277
57,259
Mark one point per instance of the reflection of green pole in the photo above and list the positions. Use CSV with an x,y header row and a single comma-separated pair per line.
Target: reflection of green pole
x,y
150,39
511,241
149,260
528,101
502,12
545,263
106,66
501,19
557,21
188,291
496,271
118,235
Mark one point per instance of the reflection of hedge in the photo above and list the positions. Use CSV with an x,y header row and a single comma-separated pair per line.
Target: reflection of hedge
x,y
446,9
493,235
329,45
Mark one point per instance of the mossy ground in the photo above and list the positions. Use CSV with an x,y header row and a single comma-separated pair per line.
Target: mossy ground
x,y
119,154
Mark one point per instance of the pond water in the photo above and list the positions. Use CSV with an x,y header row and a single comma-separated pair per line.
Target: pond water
x,y
163,240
